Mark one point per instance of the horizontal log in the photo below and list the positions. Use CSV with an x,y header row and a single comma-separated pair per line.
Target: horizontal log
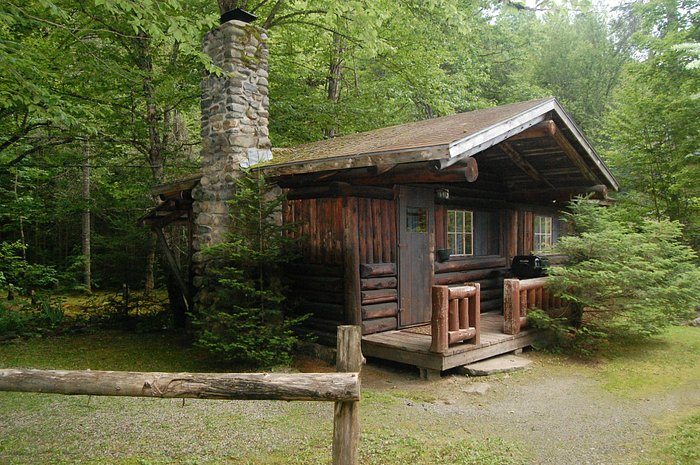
x,y
488,284
490,305
473,263
378,325
461,292
322,297
327,311
379,283
373,270
460,335
315,270
379,296
382,310
317,283
223,386
492,294
339,189
533,283
322,324
462,277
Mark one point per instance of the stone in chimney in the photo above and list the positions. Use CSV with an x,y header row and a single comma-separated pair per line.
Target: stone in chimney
x,y
234,127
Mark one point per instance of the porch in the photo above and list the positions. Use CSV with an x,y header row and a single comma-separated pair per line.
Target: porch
x,y
410,347
458,333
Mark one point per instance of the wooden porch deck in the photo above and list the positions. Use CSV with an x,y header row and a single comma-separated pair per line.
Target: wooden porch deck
x,y
413,349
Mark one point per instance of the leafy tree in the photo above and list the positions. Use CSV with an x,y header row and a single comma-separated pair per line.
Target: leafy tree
x,y
245,319
652,128
622,279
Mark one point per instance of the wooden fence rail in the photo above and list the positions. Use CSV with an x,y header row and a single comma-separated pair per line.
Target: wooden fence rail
x,y
456,316
519,296
343,388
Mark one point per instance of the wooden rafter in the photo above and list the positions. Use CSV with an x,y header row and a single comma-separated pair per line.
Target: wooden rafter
x,y
575,157
544,129
523,164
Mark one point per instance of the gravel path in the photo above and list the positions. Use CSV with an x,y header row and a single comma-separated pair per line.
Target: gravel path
x,y
560,417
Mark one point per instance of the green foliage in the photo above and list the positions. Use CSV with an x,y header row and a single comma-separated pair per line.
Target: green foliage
x,y
622,279
246,320
682,446
28,319
15,271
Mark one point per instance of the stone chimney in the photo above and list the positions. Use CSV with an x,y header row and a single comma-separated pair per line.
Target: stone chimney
x,y
234,128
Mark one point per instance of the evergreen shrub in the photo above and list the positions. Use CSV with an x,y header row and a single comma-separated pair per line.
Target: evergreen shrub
x,y
622,279
246,321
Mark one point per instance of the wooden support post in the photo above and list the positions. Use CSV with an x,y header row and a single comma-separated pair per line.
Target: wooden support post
x,y
511,306
475,312
172,264
438,322
453,315
351,263
346,419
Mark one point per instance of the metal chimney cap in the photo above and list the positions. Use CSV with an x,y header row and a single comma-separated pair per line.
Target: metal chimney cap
x,y
237,14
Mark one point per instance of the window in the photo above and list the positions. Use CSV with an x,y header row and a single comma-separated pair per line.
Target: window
x,y
543,233
460,232
416,219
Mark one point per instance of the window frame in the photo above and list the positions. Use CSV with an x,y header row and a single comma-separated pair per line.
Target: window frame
x,y
463,233
537,240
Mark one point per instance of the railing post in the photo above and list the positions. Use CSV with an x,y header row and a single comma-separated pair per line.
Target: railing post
x,y
346,418
438,322
475,311
511,306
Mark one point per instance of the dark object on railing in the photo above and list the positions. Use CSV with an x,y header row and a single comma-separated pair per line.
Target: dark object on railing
x,y
238,15
443,254
529,266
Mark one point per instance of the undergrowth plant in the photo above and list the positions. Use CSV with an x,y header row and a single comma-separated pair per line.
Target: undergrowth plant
x,y
622,279
246,320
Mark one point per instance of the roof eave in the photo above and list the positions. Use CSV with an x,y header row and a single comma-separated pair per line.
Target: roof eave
x,y
361,160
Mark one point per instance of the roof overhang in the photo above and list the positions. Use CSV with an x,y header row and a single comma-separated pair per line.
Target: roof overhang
x,y
445,155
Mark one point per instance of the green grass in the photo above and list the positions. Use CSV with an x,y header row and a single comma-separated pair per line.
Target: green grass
x,y
681,445
670,361
43,428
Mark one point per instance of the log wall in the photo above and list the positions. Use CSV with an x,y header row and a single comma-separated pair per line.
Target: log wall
x,y
377,230
320,228
488,271
380,307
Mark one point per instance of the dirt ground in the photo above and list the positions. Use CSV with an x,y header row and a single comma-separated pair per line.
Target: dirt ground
x,y
560,415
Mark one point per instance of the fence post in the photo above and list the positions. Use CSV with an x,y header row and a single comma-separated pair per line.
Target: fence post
x,y
511,306
346,419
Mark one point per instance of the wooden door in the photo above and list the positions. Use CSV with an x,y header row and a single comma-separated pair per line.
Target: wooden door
x,y
416,228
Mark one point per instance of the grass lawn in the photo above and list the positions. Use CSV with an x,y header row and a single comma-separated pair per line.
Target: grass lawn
x,y
62,429
404,421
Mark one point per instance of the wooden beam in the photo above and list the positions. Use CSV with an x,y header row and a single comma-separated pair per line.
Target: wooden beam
x,y
523,164
346,416
351,263
575,157
544,129
332,387
172,264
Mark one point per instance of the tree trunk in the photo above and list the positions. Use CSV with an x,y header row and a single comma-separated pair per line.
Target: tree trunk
x,y
335,75
86,233
150,265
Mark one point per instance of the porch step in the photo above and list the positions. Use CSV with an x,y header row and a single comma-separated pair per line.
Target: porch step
x,y
495,365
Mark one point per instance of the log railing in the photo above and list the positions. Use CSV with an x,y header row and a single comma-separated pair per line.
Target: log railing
x,y
343,388
519,296
456,316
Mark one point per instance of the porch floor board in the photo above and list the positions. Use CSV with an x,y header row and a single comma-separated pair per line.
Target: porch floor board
x,y
414,349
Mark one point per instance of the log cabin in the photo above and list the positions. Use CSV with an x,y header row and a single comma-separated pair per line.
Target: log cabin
x,y
408,231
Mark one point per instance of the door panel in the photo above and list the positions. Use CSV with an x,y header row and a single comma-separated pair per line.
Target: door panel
x,y
416,226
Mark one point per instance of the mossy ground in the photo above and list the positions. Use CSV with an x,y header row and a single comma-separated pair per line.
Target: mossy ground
x,y
404,420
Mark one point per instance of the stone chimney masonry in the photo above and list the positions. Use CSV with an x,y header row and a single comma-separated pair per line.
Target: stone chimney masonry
x,y
234,127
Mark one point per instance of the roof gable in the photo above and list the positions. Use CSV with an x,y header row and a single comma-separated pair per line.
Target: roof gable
x,y
446,140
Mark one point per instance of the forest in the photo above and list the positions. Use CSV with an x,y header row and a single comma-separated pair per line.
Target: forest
x,y
99,101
